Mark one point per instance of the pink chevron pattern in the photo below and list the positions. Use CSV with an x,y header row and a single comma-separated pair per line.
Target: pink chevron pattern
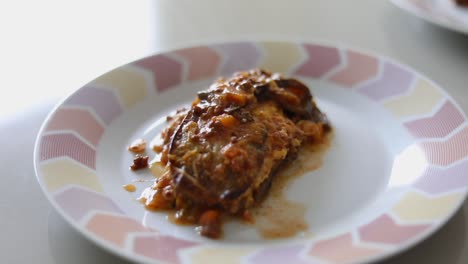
x,y
104,102
82,122
440,125
446,152
439,180
385,230
238,56
321,59
285,254
394,81
203,62
84,116
114,228
360,67
76,202
167,71
61,145
161,248
341,249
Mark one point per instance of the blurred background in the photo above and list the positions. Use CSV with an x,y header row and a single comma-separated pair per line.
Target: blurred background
x,y
49,48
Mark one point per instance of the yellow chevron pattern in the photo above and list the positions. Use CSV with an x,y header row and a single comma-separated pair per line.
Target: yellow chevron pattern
x,y
418,207
420,101
59,173
285,63
131,85
225,255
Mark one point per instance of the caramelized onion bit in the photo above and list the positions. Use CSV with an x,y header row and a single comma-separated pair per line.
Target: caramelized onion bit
x,y
210,224
140,162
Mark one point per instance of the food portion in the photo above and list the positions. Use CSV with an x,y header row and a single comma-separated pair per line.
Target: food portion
x,y
463,3
139,162
221,155
137,146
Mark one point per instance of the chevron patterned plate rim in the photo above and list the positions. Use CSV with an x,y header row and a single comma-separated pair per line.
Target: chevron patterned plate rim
x,y
420,132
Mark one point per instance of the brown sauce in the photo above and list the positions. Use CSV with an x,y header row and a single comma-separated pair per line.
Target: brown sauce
x,y
218,159
172,217
463,3
129,187
142,180
277,216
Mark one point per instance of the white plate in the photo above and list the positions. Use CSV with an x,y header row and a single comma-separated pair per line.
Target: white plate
x,y
394,173
444,13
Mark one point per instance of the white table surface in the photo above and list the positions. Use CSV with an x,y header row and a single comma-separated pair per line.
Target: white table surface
x,y
50,48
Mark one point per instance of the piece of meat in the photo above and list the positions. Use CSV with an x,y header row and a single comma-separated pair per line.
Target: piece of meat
x,y
223,152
